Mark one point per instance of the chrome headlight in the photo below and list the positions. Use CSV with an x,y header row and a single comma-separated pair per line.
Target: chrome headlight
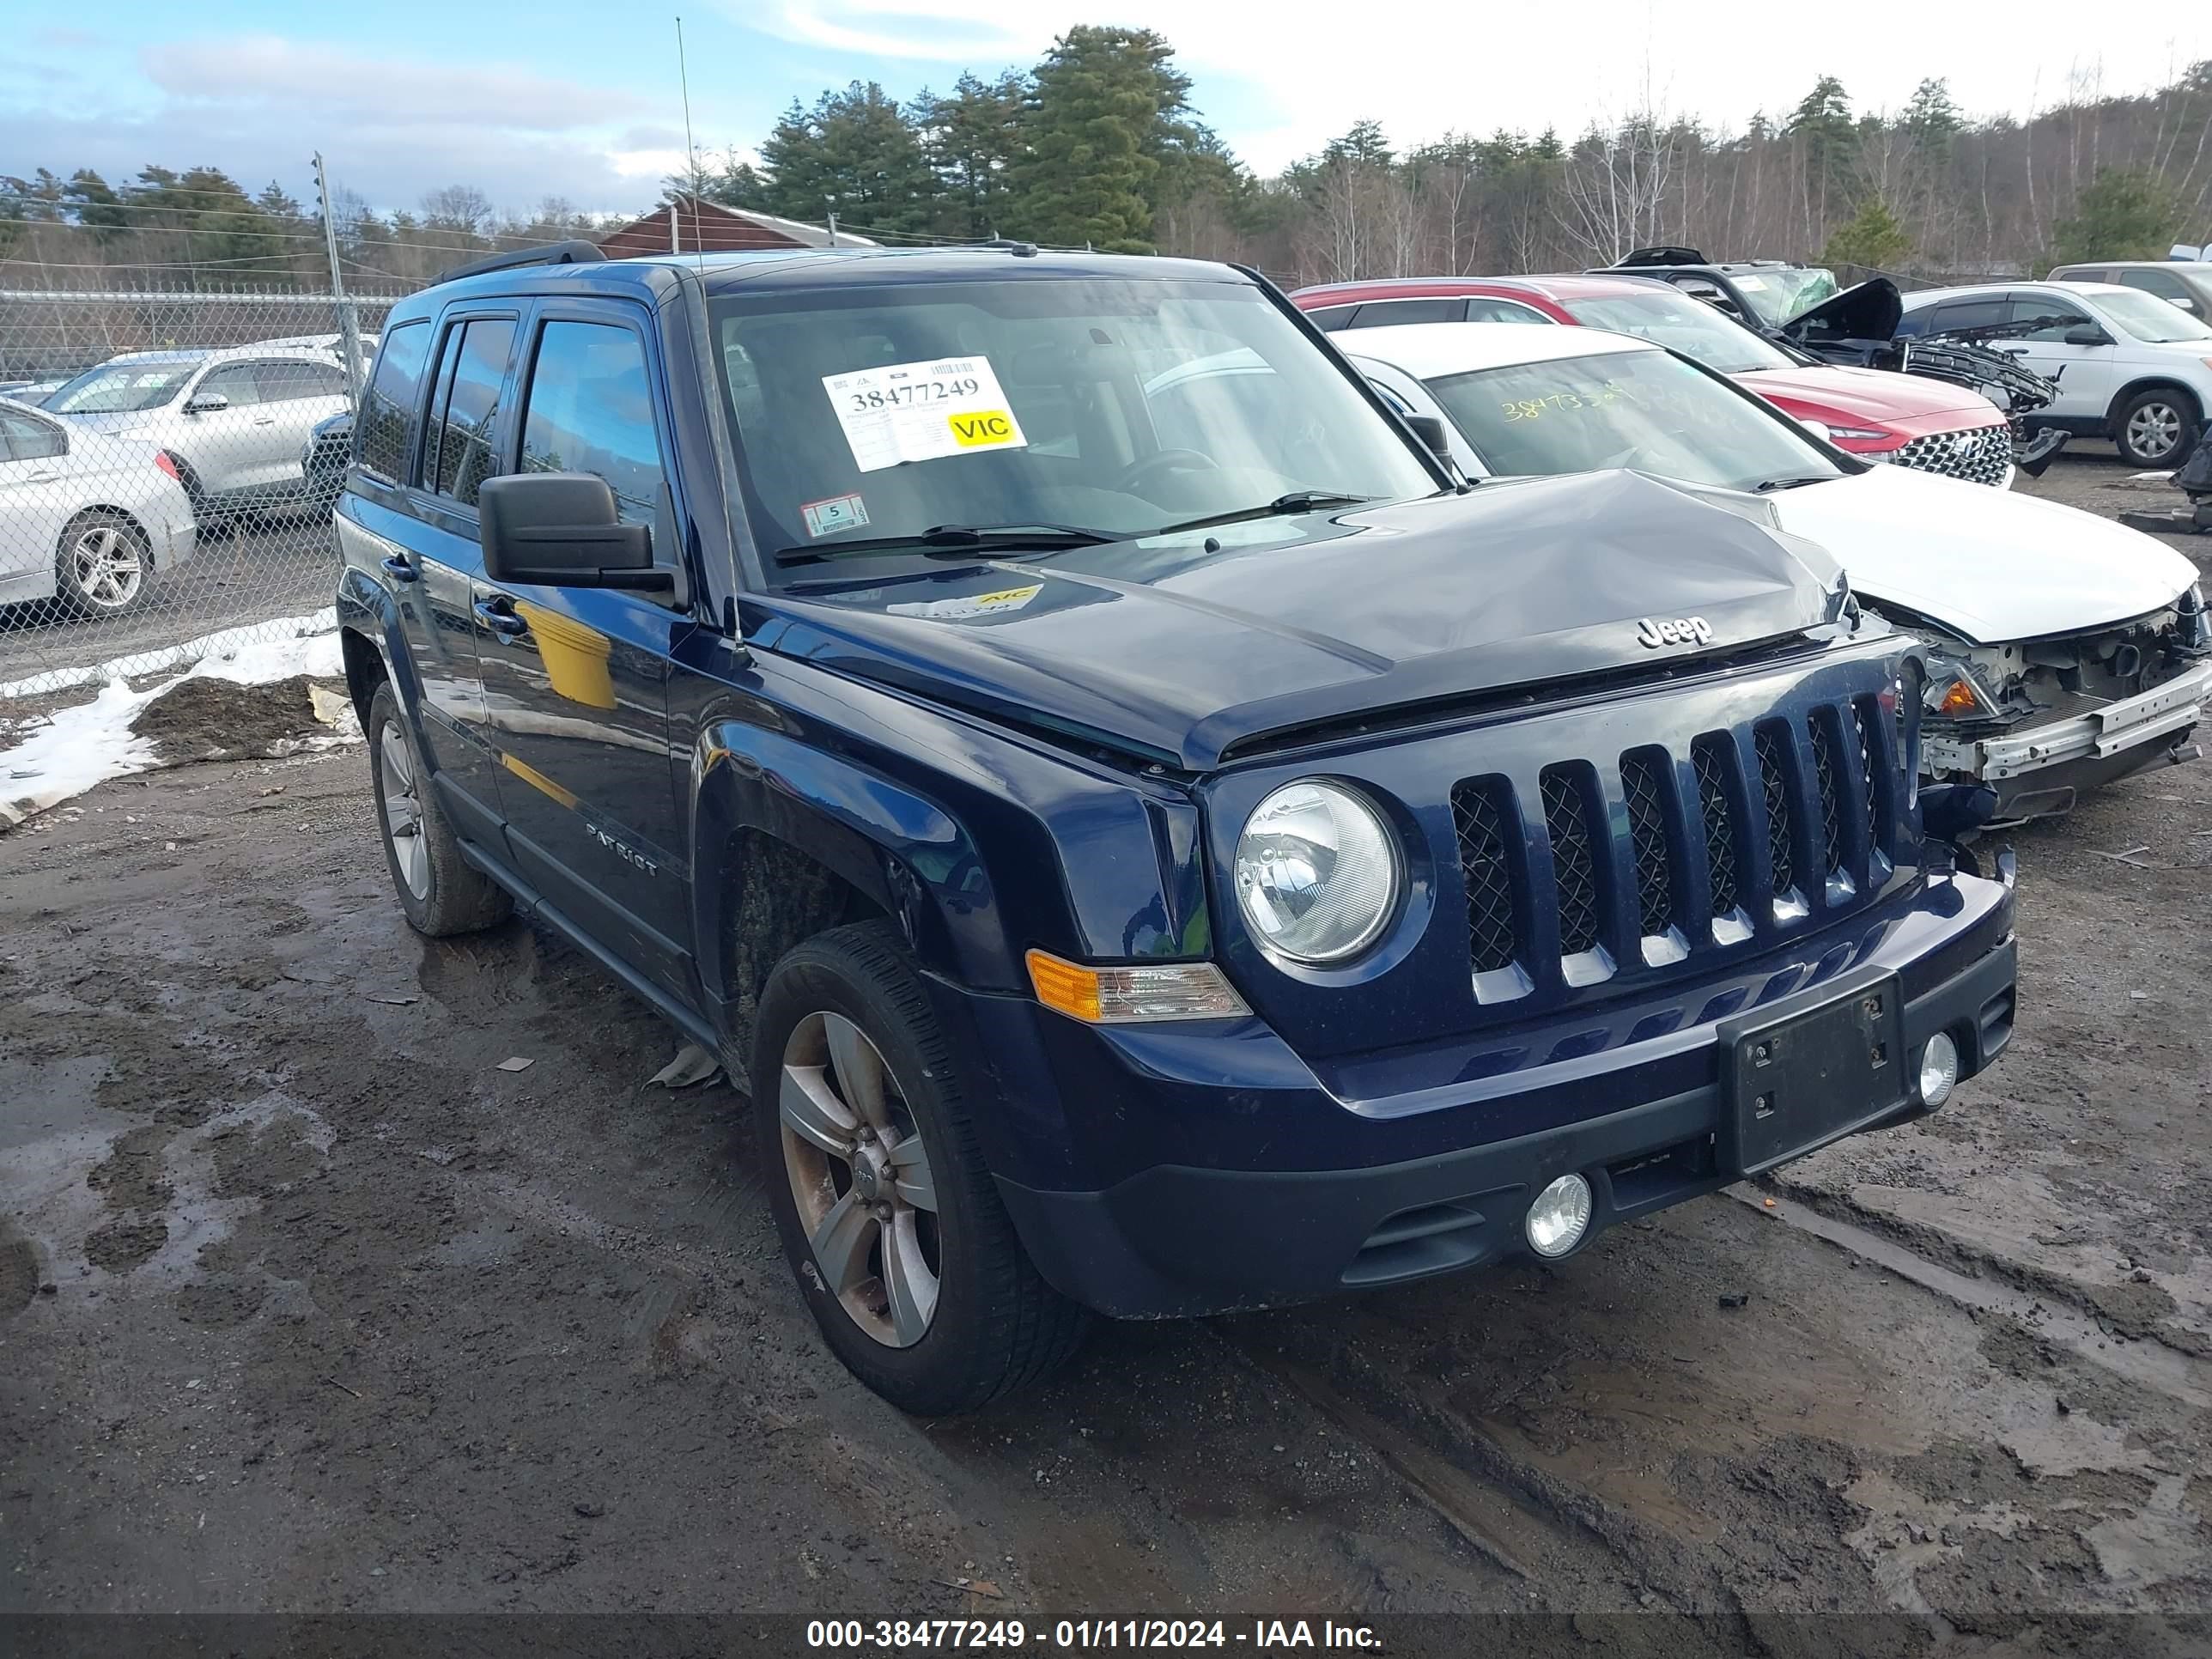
x,y
1317,873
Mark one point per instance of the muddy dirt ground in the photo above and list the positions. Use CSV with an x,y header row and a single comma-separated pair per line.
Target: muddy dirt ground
x,y
307,1304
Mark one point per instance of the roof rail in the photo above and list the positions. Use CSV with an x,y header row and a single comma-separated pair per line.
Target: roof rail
x,y
573,252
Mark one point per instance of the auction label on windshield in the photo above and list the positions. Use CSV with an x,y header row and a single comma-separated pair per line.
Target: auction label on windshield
x,y
922,412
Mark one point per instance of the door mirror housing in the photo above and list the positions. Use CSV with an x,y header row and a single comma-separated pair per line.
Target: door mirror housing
x,y
207,403
561,530
2087,334
1819,430
1429,430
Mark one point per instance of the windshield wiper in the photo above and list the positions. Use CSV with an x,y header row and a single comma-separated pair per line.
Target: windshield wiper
x,y
944,541
1768,486
1298,500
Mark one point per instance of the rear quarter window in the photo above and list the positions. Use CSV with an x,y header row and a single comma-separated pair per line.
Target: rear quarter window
x,y
388,409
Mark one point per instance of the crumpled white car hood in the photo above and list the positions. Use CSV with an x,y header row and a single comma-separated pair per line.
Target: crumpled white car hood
x,y
1988,564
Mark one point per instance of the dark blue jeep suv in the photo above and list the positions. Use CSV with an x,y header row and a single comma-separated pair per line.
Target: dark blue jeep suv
x,y
1155,840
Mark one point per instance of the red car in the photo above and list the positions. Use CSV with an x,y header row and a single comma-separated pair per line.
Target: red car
x,y
1875,415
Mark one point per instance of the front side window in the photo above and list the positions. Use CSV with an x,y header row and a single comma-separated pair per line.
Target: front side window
x,y
591,410
1689,326
467,434
1117,408
388,409
1481,309
1642,409
121,388
239,382
2152,319
2045,317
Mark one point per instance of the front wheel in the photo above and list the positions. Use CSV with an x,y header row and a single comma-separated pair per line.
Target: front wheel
x,y
101,566
2156,428
903,1249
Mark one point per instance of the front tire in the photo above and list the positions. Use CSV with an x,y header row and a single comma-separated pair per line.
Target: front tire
x,y
2156,428
103,565
903,1250
440,891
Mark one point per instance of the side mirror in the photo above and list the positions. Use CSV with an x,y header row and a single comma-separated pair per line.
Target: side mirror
x,y
1819,430
2087,334
207,403
1429,430
561,530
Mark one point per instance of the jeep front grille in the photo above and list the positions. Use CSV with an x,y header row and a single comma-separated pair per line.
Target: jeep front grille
x,y
1980,454
1688,828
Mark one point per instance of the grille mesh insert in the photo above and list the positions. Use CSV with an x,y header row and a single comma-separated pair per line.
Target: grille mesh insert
x,y
1719,822
1647,831
1574,865
1493,941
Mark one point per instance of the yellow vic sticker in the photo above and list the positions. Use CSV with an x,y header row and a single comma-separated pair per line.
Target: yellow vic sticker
x,y
980,428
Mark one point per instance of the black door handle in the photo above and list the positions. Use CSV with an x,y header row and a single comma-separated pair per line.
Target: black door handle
x,y
398,569
496,615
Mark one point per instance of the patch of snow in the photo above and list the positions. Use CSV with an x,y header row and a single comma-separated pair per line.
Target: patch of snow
x,y
2161,478
73,750
224,643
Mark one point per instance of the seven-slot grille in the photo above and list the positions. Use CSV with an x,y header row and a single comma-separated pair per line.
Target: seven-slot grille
x,y
1978,455
1722,833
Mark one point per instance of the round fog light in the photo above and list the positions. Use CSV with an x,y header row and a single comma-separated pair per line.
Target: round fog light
x,y
1559,1216
1939,1070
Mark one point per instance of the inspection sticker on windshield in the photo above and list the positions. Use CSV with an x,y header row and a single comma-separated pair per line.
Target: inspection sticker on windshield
x,y
839,512
922,412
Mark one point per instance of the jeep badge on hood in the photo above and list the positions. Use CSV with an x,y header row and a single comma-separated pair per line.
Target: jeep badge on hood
x,y
1681,631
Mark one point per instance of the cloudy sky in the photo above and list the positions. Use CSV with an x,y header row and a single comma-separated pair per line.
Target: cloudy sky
x,y
579,99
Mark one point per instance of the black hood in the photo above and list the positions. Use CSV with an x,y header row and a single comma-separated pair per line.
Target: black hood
x,y
1165,650
1869,310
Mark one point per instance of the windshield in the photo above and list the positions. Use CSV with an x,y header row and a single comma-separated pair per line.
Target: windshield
x,y
121,388
1643,409
1689,327
1110,407
2151,318
1779,295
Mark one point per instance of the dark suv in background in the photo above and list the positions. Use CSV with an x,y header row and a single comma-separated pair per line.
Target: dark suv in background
x,y
1153,840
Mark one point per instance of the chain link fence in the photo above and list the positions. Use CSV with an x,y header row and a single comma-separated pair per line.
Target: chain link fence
x,y
168,460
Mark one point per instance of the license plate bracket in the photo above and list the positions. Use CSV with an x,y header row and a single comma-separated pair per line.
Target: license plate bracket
x,y
1797,1079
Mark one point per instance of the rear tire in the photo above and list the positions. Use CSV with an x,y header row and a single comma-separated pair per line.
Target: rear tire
x,y
440,891
2156,428
103,565
904,1253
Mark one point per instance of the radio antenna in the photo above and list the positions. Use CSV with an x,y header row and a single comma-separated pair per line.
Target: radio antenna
x,y
690,155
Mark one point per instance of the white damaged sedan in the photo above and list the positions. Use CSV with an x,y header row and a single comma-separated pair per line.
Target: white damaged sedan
x,y
2065,651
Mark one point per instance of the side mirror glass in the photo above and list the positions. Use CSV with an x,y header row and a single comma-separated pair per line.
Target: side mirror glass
x,y
561,530
2087,334
1429,430
207,403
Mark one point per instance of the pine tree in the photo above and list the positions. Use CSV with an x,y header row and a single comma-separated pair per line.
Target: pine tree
x,y
2122,214
855,153
1827,138
1094,130
1872,238
970,137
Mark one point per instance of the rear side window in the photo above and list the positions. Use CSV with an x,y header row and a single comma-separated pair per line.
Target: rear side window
x,y
467,421
23,439
1329,318
591,410
1386,313
1970,313
282,382
389,408
1481,309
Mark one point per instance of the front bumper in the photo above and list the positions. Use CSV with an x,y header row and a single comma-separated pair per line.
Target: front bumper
x,y
1178,1239
2039,770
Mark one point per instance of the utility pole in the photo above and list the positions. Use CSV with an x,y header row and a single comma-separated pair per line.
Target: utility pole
x,y
348,322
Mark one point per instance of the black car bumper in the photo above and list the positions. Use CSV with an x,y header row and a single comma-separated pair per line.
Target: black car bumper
x,y
1176,1241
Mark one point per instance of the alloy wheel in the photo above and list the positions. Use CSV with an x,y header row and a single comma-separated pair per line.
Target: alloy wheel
x,y
402,810
106,566
2154,431
860,1176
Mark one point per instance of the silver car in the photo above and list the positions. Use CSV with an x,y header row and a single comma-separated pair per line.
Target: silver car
x,y
234,421
85,518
